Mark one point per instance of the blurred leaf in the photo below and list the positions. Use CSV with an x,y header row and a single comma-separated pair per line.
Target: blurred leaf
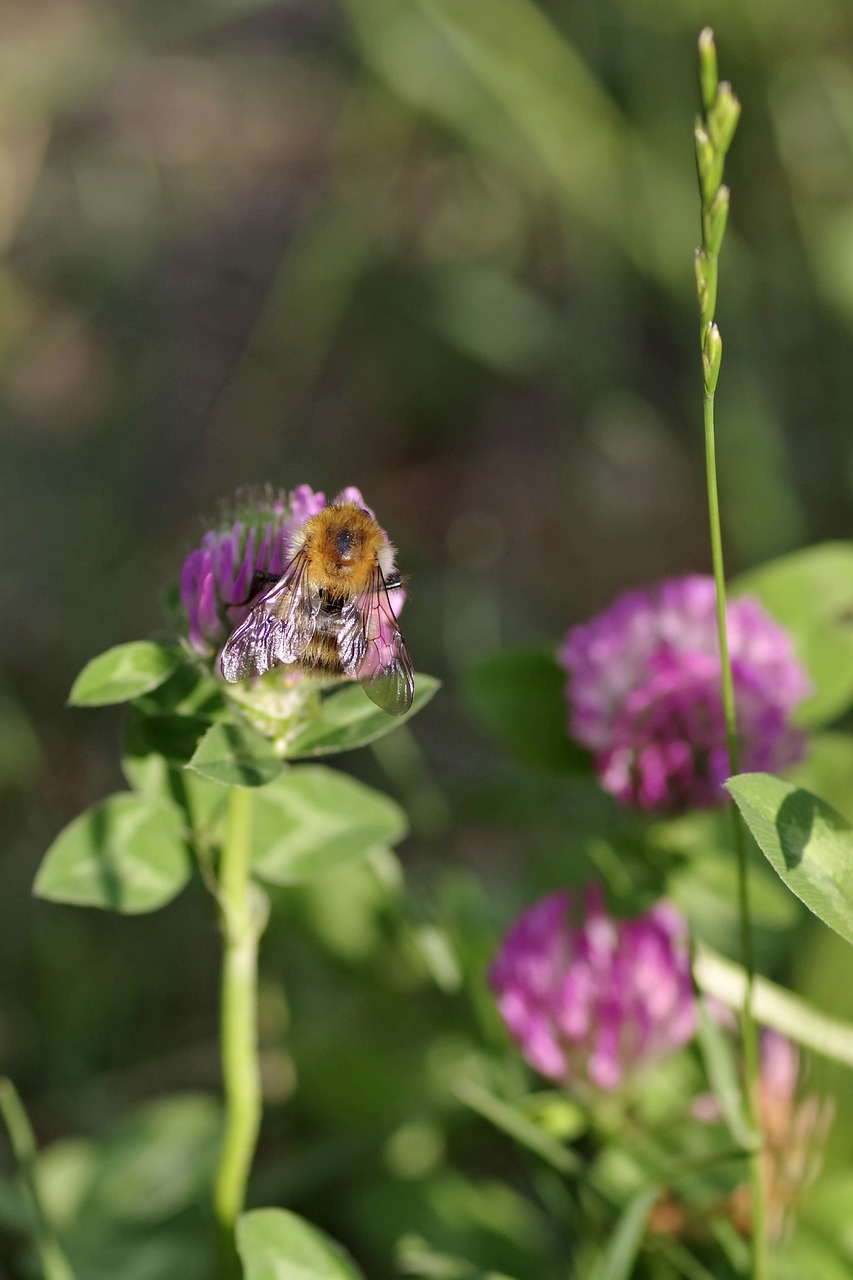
x,y
811,593
437,952
349,911
66,1170
124,673
502,75
718,1055
517,1125
311,820
489,316
520,694
683,1260
235,755
705,889
54,1263
126,854
275,1244
809,1254
827,1209
556,1114
485,1219
828,770
157,1161
775,1006
417,1258
621,1253
349,719
20,752
808,844
133,1203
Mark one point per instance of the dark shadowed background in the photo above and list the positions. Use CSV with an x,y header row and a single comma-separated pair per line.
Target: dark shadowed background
x,y
440,251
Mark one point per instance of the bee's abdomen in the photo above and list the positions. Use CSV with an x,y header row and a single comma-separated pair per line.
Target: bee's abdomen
x,y
321,655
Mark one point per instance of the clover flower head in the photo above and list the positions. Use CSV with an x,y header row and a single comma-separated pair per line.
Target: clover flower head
x,y
644,694
592,1000
254,537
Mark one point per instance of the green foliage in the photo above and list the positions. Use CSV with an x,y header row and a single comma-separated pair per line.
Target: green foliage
x,y
827,770
808,844
126,854
776,1007
124,673
274,1243
416,1258
811,593
519,694
486,251
621,1253
518,1126
349,719
168,738
155,1162
157,748
54,1263
489,316
129,1202
234,755
311,820
20,752
722,1071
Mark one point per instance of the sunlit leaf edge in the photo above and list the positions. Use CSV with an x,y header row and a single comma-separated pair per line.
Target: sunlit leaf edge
x,y
163,660
760,797
268,1238
318,738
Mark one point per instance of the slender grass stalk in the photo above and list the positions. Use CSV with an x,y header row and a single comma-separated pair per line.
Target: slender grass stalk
x,y
242,926
713,133
55,1265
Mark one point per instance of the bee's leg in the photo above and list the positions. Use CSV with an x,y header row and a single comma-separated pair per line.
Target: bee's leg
x,y
259,582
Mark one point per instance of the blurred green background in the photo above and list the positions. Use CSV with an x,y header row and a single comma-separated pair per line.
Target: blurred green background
x,y
442,251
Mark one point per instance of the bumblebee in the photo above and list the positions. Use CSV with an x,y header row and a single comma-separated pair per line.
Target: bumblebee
x,y
330,613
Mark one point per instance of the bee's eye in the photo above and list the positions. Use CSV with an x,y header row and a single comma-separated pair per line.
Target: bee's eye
x,y
344,542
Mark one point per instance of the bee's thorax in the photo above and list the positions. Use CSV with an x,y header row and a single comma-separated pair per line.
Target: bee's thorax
x,y
343,546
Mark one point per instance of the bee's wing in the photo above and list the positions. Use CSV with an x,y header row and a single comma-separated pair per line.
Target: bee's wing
x,y
278,629
371,648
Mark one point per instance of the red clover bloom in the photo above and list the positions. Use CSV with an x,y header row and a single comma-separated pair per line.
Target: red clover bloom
x,y
645,695
216,580
217,577
592,1000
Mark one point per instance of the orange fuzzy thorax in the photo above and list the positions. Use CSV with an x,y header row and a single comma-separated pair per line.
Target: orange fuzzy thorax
x,y
342,546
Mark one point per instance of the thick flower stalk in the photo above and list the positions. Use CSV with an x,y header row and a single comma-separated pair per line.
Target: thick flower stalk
x,y
645,694
592,1001
221,580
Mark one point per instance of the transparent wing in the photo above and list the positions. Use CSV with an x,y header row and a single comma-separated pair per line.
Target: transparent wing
x,y
371,648
278,628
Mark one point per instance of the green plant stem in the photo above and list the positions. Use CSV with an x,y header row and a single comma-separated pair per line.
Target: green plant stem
x,y
55,1265
241,928
749,1031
